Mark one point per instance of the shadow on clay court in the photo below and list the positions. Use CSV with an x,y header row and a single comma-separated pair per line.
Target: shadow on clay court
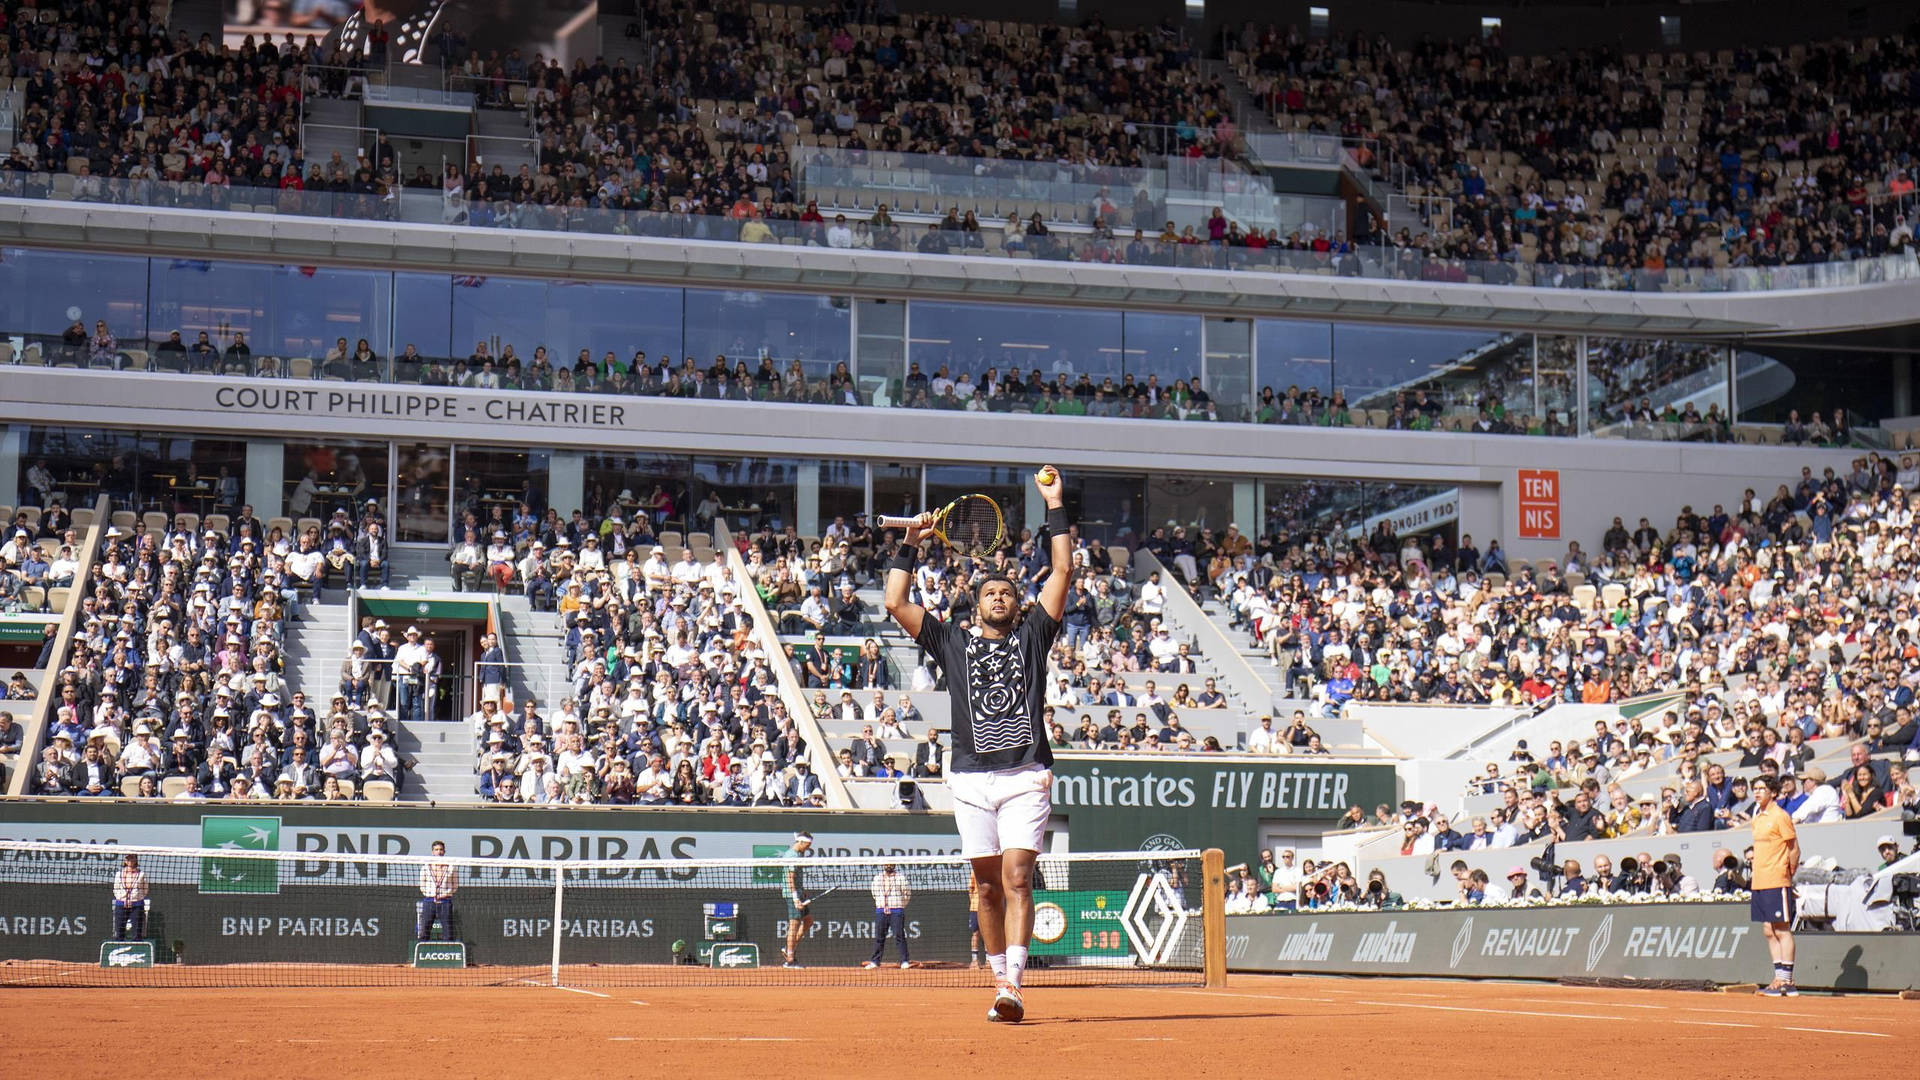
x,y
1161,1019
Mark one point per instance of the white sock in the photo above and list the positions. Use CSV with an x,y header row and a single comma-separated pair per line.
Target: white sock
x,y
998,962
1016,963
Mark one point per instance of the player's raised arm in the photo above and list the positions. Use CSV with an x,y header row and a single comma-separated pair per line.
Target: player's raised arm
x,y
1053,594
900,580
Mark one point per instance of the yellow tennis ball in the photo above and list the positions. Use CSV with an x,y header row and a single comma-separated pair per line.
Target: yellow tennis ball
x,y
1046,475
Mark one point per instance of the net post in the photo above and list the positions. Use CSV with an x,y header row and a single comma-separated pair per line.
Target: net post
x,y
559,893
1213,917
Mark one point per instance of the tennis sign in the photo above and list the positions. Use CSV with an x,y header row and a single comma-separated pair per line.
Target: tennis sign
x,y
439,954
1121,803
239,834
126,954
734,955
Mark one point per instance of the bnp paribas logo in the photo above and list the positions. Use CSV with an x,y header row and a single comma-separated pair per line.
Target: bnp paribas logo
x,y
238,874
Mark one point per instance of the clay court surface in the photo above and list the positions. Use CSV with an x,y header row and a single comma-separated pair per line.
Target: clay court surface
x,y
1428,1030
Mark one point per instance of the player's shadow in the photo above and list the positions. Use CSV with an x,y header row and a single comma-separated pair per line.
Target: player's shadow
x,y
1158,1018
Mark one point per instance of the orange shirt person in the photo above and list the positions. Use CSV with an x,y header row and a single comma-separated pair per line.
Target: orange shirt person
x,y
1776,859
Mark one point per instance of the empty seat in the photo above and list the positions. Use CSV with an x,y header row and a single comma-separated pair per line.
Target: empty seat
x,y
377,791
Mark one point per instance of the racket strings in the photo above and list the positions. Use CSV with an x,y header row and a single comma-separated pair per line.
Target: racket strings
x,y
973,525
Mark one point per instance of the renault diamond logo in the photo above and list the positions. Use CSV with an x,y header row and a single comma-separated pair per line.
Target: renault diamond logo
x,y
1597,946
1461,940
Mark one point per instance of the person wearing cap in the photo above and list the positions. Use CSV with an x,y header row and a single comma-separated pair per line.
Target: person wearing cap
x,y
1889,848
536,577
1820,801
356,676
409,666
798,897
141,756
500,559
1516,887
496,771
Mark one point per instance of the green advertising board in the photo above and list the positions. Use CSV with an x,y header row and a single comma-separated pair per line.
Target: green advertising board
x,y
734,954
126,954
439,954
1136,802
237,833
386,607
1079,923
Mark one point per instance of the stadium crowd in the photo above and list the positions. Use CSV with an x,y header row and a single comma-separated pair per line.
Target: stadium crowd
x,y
1764,589
1783,158
669,699
177,684
1588,158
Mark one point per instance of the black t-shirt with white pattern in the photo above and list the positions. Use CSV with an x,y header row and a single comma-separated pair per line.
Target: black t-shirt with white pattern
x,y
998,688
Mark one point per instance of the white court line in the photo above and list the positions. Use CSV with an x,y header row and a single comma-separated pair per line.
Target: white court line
x,y
1669,1008
1260,997
700,1038
1400,1005
1607,1004
1838,1031
577,990
1714,1023
1495,1012
636,1003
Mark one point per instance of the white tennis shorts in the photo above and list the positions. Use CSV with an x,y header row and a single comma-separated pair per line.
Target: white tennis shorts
x,y
999,810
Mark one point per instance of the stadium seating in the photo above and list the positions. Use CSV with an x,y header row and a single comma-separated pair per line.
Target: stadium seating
x,y
1752,157
177,682
670,700
1709,172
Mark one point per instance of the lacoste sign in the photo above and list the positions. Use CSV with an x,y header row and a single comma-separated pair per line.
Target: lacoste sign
x,y
126,954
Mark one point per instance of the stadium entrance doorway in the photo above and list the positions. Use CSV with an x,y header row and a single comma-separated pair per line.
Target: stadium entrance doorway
x,y
453,624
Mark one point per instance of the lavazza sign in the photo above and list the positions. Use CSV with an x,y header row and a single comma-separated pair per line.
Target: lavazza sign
x,y
1708,941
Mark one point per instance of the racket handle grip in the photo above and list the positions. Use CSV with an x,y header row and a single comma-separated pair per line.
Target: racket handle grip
x,y
887,522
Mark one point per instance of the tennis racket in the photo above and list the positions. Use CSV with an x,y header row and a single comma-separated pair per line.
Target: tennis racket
x,y
808,902
970,525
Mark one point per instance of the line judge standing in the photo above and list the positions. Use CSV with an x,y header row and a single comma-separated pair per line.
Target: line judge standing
x,y
130,889
438,882
890,895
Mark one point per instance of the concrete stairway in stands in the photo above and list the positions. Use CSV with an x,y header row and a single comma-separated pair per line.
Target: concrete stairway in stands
x,y
1270,676
315,647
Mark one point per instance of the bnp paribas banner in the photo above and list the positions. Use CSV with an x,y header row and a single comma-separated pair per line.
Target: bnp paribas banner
x,y
1133,801
1698,942
475,832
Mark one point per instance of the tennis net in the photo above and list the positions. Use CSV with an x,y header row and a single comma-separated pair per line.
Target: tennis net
x,y
225,917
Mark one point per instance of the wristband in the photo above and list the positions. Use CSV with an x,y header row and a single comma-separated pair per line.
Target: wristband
x,y
1057,520
904,558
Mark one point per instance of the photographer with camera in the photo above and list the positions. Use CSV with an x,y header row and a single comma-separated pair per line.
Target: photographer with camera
x,y
1670,880
1633,877
1732,878
1376,894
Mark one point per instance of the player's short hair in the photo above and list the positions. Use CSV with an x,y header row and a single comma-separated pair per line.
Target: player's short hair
x,y
802,835
980,587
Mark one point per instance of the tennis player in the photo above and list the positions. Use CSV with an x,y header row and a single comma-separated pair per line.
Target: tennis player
x,y
1776,858
1001,770
799,917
